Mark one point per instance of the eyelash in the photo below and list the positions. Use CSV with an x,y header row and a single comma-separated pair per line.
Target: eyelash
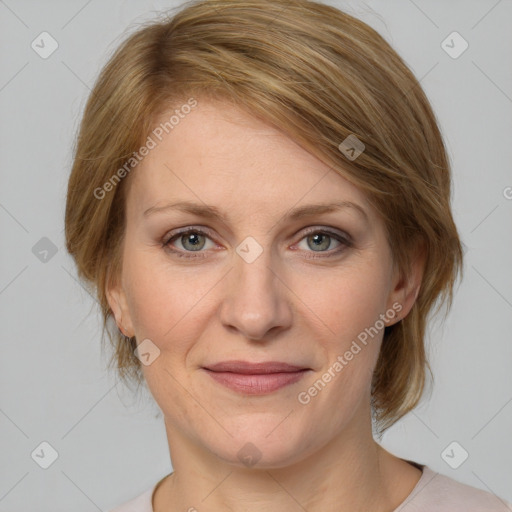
x,y
166,244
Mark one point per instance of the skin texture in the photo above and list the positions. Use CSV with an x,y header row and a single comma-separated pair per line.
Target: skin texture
x,y
283,306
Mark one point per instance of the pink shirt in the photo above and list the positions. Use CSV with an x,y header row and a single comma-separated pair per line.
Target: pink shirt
x,y
433,493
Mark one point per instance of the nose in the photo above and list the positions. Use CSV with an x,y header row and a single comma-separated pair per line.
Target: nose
x,y
256,300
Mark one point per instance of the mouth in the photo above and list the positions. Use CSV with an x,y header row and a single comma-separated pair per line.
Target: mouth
x,y
255,378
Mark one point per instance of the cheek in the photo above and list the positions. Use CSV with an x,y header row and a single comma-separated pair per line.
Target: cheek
x,y
349,338
346,301
345,305
169,301
163,300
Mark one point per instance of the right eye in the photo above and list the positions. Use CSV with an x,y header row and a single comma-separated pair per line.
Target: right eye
x,y
191,239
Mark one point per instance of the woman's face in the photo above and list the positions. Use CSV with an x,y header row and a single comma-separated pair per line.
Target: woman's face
x,y
263,280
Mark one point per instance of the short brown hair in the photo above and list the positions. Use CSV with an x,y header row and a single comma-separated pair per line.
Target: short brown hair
x,y
317,74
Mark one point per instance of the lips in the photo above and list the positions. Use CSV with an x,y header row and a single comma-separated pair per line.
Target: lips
x,y
255,378
247,368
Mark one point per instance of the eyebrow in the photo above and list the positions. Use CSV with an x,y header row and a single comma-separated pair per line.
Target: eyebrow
x,y
212,212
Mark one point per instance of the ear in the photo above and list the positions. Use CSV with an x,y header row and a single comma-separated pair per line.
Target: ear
x,y
116,298
407,287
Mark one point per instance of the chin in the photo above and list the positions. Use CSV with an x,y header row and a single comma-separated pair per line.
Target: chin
x,y
259,447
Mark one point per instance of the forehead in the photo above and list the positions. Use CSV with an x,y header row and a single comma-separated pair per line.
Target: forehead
x,y
219,154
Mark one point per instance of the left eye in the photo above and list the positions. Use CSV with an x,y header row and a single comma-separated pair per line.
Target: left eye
x,y
193,240
320,240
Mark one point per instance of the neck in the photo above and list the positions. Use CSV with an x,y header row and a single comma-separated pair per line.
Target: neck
x,y
350,473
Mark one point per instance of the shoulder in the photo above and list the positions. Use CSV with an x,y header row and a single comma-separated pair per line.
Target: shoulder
x,y
141,503
435,492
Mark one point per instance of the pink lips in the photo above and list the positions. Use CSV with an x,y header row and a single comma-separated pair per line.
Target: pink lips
x,y
255,378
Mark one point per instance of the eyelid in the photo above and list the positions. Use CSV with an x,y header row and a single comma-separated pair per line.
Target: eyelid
x,y
329,230
306,231
182,231
341,236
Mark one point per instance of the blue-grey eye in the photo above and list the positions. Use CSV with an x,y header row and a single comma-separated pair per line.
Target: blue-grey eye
x,y
192,241
320,241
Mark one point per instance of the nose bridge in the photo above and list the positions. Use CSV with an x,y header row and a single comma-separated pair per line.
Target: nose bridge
x,y
255,301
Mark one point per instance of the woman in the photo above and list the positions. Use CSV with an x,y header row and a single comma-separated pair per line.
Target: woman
x,y
261,197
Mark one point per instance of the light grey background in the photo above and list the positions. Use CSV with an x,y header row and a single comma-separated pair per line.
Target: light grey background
x,y
54,387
